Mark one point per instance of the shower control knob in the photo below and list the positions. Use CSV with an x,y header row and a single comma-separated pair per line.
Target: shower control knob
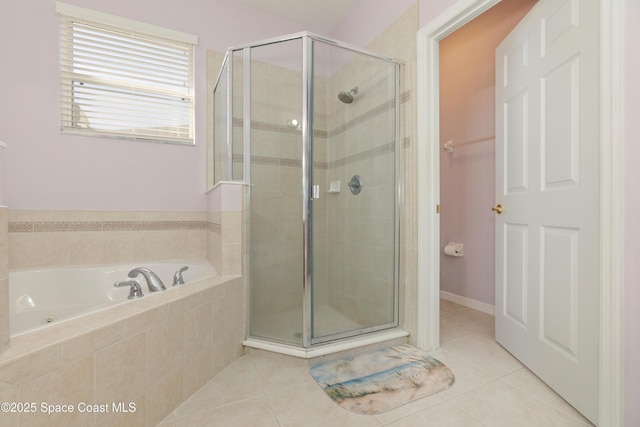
x,y
355,185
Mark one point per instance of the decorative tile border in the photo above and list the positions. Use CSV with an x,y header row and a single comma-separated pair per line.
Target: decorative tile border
x,y
272,127
277,161
368,115
376,111
63,226
214,228
364,155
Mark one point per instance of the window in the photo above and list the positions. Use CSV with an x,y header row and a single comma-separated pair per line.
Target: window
x,y
125,79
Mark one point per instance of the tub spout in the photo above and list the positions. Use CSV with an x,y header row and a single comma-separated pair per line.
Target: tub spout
x,y
153,281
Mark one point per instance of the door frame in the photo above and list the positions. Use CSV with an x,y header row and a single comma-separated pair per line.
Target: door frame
x,y
428,149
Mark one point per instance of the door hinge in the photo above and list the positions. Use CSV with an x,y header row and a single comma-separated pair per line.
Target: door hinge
x,y
438,208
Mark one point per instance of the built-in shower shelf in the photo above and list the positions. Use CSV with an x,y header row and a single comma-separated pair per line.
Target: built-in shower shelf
x,y
334,187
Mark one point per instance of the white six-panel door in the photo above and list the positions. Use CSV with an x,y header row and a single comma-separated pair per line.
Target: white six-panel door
x,y
547,181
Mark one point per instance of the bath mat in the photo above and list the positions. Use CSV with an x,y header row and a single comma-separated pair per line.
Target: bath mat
x,y
383,379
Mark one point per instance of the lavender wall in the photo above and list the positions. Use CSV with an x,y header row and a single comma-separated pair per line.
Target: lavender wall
x,y
48,170
2,155
467,189
429,10
45,169
631,200
367,19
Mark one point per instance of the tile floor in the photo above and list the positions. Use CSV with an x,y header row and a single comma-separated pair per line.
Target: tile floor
x,y
491,389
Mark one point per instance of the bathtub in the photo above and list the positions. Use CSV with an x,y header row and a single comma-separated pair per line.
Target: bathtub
x,y
39,298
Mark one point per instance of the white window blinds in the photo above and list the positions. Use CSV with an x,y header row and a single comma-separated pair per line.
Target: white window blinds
x,y
126,83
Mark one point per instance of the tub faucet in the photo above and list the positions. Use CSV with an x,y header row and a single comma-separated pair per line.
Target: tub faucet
x,y
135,292
177,278
153,281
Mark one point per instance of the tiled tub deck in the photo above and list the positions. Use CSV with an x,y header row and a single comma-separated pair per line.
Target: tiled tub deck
x,y
131,364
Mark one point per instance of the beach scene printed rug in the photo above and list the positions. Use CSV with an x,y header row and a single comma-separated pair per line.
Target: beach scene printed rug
x,y
381,380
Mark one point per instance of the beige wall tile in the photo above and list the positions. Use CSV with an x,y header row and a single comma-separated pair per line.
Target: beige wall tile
x,y
66,216
27,215
20,255
197,371
196,244
198,324
164,397
36,340
146,320
223,333
177,309
8,393
50,248
214,217
24,369
118,246
91,342
70,385
148,368
231,259
135,416
165,348
240,317
55,238
149,245
86,247
231,227
4,313
121,370
4,242
214,250
111,316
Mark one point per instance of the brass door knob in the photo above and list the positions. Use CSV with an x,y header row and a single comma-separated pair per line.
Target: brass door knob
x,y
497,209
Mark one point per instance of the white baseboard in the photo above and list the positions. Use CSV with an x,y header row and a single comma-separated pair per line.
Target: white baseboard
x,y
468,302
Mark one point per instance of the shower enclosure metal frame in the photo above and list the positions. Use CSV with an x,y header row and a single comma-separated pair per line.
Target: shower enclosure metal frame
x,y
307,166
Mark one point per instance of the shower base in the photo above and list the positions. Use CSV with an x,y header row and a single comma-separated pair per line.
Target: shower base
x,y
327,320
288,323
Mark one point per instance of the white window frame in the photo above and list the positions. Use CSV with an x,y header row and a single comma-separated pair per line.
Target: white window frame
x,y
101,97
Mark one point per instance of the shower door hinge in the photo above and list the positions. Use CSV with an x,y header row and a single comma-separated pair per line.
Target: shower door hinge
x,y
316,192
438,208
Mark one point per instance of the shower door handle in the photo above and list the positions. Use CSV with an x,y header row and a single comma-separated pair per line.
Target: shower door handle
x,y
315,192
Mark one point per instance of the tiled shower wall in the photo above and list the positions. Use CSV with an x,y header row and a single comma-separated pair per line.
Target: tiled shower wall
x,y
399,41
361,139
276,166
348,139
275,219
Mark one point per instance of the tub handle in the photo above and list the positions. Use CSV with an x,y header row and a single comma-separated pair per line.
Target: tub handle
x,y
177,278
134,292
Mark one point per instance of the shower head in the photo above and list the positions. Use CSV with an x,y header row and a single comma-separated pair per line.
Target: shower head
x,y
347,97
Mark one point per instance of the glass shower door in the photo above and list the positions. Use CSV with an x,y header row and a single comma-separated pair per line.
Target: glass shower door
x,y
275,261
354,231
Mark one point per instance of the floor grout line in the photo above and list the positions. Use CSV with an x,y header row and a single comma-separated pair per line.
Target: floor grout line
x,y
261,363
